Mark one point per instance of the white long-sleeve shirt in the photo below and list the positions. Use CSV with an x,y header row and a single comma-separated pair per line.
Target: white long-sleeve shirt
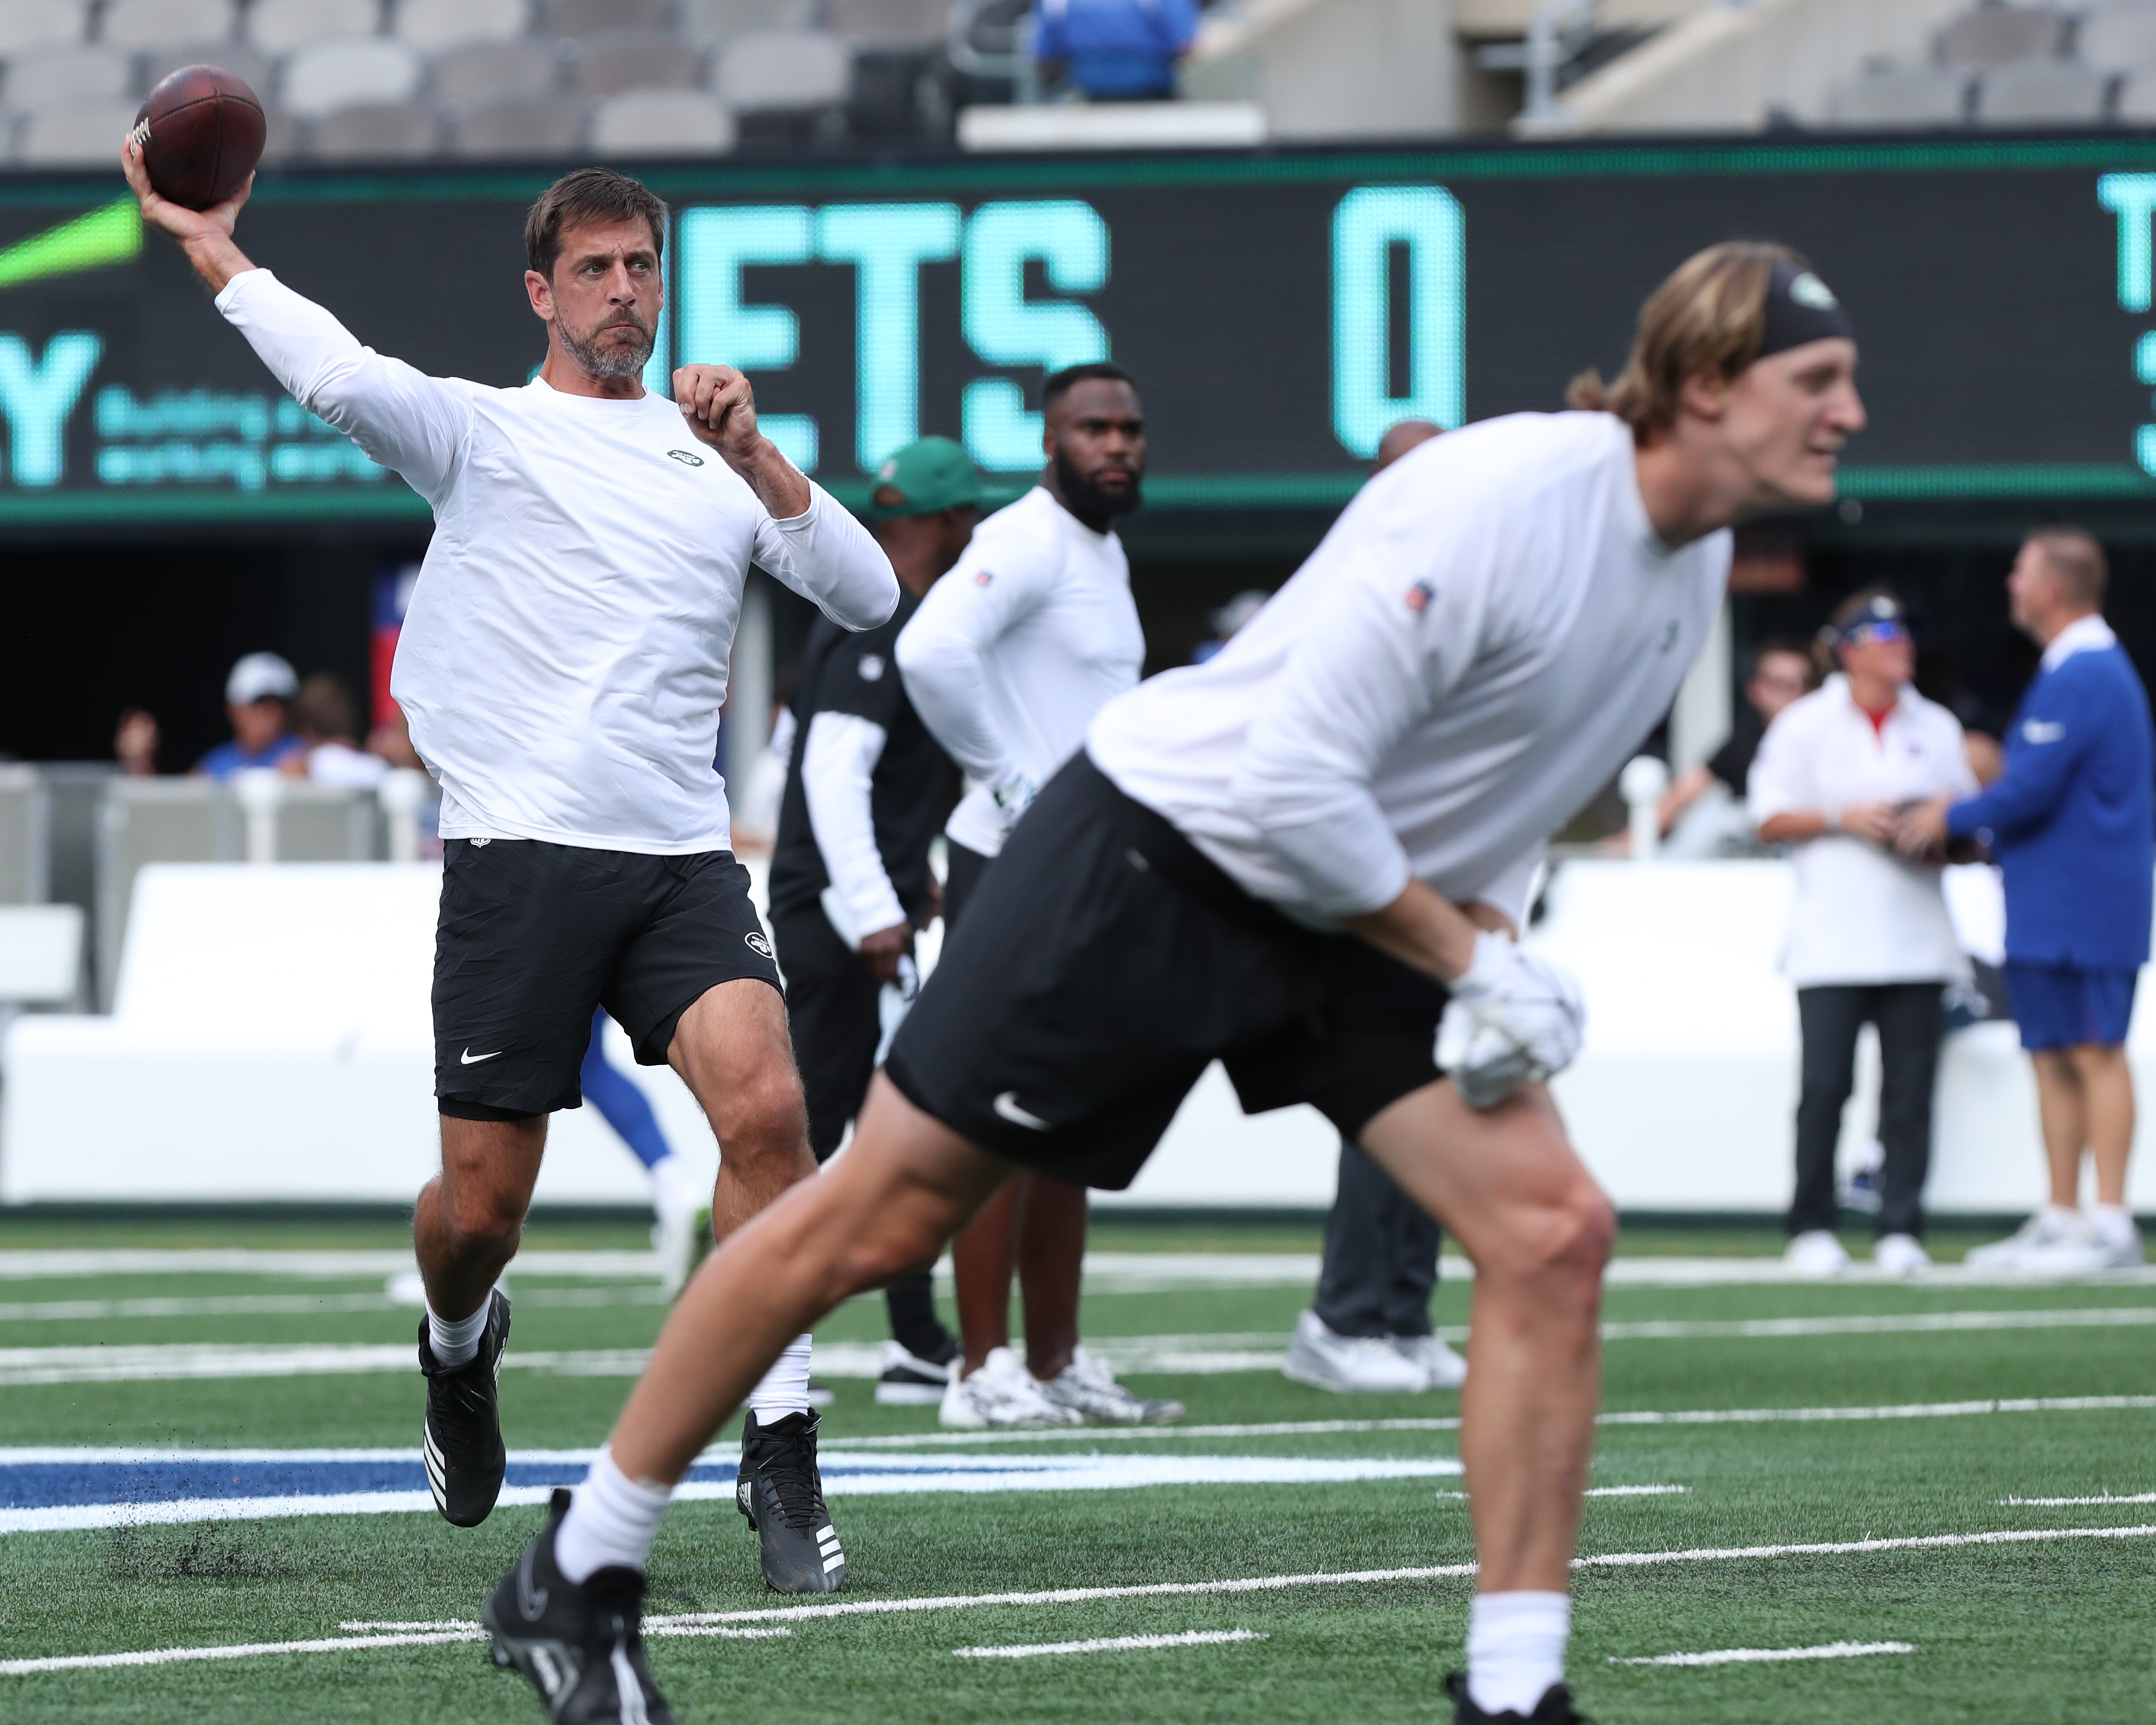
x,y
564,657
1014,651
1489,630
838,778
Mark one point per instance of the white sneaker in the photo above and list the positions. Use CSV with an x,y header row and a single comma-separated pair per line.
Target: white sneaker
x,y
1442,1367
1002,1395
2051,1226
1815,1252
1090,1390
2095,1253
682,1234
909,1381
1325,1360
1900,1255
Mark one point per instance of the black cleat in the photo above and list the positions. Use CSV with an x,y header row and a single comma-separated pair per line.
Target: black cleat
x,y
579,1643
461,1440
781,1494
1554,1708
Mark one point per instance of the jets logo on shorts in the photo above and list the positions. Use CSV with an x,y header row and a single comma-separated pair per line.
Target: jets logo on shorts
x,y
685,458
871,667
757,944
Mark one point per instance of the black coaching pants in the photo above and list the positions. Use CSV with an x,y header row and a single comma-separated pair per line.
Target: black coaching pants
x,y
1380,1254
1908,1019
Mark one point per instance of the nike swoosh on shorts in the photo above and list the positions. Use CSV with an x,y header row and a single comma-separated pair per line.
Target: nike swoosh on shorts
x,y
473,1060
1007,1106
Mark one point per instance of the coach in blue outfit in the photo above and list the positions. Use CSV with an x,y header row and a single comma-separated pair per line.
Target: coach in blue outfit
x,y
2072,823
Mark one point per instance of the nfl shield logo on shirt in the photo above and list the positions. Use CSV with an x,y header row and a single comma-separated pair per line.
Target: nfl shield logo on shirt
x,y
1418,597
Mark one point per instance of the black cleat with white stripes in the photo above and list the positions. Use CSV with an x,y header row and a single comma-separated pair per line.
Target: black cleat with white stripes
x,y
1554,1708
580,1644
461,1440
781,1491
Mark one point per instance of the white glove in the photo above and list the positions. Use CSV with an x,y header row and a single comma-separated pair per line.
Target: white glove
x,y
1014,796
1513,1019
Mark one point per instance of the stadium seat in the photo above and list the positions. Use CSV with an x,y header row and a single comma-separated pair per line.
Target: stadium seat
x,y
1902,96
2042,93
42,78
518,125
484,70
588,18
142,24
2135,104
713,21
248,65
376,131
1993,35
345,70
438,25
663,122
907,23
615,61
84,133
279,26
32,24
2118,38
784,71
25,823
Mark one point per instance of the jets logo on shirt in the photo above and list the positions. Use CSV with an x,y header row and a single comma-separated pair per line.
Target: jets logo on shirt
x,y
2042,731
1418,597
685,458
871,667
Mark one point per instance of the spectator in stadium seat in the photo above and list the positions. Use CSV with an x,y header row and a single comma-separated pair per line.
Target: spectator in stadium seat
x,y
1781,674
328,726
257,699
1870,938
135,743
2072,823
1116,50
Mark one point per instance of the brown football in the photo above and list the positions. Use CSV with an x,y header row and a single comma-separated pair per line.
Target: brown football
x,y
202,130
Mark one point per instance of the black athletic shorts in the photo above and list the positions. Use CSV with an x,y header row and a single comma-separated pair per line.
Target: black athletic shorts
x,y
534,936
1103,963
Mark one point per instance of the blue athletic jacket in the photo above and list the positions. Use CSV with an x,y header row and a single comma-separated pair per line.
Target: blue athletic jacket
x,y
2073,820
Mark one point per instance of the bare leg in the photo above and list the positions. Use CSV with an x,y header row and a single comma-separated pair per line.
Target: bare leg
x,y
982,1259
906,1185
1051,1261
2106,1088
471,1216
2062,1111
732,1050
1507,1182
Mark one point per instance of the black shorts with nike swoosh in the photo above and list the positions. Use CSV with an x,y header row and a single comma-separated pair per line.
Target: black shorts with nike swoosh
x,y
534,936
1103,963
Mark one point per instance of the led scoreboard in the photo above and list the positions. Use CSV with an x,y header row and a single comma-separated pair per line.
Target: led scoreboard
x,y
1279,310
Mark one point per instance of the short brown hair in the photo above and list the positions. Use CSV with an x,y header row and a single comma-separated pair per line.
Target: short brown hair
x,y
588,196
324,709
1709,315
2077,560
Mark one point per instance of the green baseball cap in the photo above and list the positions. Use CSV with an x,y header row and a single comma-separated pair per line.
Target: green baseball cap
x,y
929,474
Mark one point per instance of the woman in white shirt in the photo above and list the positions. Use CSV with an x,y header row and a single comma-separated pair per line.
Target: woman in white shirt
x,y
1870,939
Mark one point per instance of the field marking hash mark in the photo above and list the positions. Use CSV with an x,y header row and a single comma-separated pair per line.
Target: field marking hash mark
x,y
1112,1644
1772,1655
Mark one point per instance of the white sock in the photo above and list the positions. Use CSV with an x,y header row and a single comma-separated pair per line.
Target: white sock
x,y
1515,1649
2062,1217
456,1341
785,1387
611,1519
2112,1222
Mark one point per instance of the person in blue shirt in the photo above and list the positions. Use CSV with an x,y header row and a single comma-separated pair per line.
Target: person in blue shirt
x,y
257,699
1116,50
2072,823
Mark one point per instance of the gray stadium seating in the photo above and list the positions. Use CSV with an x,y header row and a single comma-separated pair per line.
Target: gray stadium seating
x,y
32,24
517,126
438,25
2135,104
164,23
250,65
2117,38
662,122
346,70
25,824
376,131
613,61
81,134
2042,93
279,26
1993,35
588,18
1904,95
484,70
146,821
321,823
40,78
901,23
783,71
723,20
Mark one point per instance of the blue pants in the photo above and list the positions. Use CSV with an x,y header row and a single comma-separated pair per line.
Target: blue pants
x,y
620,1102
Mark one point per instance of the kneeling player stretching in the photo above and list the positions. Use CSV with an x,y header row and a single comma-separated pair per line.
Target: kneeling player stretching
x,y
1298,859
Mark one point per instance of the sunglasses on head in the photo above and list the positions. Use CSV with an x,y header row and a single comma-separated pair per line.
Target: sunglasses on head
x,y
1884,628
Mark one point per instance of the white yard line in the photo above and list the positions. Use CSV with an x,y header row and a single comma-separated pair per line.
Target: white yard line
x,y
260,1305
1112,1644
668,1623
2070,1502
1609,1491
1774,1655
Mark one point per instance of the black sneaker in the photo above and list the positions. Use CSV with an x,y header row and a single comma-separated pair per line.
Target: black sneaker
x,y
580,1644
781,1494
915,1380
462,1438
1554,1708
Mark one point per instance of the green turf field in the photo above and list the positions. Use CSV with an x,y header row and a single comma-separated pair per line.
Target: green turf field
x,y
1842,1510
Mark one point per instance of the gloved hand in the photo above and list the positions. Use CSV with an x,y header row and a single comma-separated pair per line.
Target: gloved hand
x,y
1013,798
1513,1019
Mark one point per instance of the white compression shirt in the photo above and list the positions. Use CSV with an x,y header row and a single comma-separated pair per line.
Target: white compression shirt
x,y
838,778
1489,630
564,657
1014,651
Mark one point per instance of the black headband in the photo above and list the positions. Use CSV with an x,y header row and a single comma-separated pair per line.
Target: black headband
x,y
1801,308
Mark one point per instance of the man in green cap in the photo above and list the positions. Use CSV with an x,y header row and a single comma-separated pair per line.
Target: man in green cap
x,y
867,790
